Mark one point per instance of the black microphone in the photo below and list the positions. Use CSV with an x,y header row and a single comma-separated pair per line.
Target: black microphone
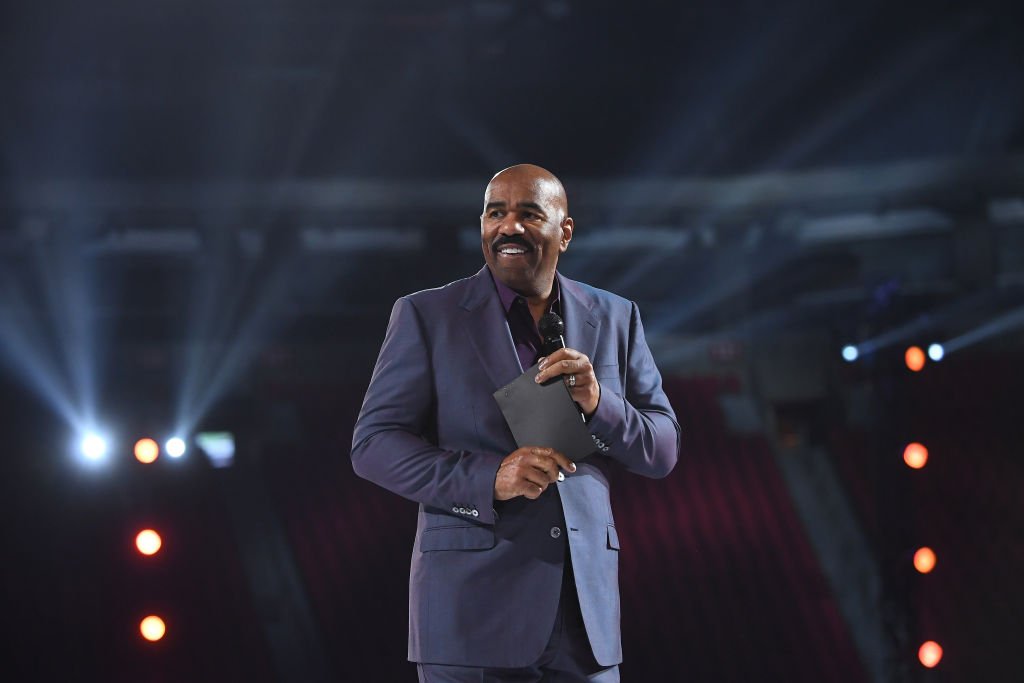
x,y
551,330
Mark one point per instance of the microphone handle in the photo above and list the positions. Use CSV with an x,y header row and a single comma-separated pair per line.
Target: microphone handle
x,y
552,344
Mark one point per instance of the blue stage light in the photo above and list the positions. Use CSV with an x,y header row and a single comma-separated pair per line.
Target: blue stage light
x,y
175,447
850,353
219,447
936,352
93,446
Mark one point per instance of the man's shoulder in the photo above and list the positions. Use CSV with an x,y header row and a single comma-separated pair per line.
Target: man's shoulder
x,y
445,295
596,297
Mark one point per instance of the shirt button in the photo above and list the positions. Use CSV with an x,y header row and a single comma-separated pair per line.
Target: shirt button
x,y
555,532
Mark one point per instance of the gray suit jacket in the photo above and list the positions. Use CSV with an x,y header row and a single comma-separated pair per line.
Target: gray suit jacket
x,y
486,575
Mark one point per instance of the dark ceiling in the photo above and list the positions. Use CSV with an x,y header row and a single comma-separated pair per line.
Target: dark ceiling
x,y
189,89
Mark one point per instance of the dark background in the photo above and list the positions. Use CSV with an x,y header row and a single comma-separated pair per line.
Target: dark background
x,y
208,208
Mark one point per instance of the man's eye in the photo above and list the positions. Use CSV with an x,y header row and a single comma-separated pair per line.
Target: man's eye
x,y
529,215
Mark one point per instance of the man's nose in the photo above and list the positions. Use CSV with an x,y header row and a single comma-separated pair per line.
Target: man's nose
x,y
511,226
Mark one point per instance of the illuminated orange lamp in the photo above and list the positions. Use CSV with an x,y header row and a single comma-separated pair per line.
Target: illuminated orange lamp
x,y
152,628
930,654
146,450
924,560
915,358
148,542
915,455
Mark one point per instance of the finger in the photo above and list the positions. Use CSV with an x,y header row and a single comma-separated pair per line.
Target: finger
x,y
581,380
564,353
532,491
532,484
563,462
566,366
536,477
547,466
551,458
557,355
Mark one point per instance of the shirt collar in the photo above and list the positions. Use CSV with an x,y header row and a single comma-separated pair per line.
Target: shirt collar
x,y
509,295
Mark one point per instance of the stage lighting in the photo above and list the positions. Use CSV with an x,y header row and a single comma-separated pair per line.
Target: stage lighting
x,y
915,455
93,446
850,353
152,628
218,446
924,560
175,447
146,451
936,352
930,654
148,542
914,358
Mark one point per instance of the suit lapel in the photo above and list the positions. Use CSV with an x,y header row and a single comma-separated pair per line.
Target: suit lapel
x,y
487,328
581,327
488,331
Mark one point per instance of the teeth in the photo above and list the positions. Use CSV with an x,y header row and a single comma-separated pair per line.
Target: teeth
x,y
512,250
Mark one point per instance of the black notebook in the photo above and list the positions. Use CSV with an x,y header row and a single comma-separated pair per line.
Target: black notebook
x,y
544,415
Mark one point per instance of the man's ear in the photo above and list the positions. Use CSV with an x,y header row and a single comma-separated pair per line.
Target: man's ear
x,y
567,228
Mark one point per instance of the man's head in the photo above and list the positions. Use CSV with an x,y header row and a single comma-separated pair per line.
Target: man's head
x,y
524,227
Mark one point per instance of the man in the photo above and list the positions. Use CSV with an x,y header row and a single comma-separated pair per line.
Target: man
x,y
515,563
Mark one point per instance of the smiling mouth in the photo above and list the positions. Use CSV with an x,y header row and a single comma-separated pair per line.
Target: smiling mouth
x,y
512,247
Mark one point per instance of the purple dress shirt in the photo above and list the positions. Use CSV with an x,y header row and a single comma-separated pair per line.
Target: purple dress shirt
x,y
521,323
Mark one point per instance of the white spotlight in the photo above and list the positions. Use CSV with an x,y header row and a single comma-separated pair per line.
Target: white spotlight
x,y
936,352
93,446
175,447
850,353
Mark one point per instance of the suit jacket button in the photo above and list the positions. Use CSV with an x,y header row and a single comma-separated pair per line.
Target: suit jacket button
x,y
555,532
476,513
455,508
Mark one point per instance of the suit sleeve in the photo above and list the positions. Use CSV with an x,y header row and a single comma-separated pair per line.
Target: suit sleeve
x,y
391,444
639,430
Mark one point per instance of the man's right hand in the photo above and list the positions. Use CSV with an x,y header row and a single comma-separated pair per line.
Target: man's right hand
x,y
528,471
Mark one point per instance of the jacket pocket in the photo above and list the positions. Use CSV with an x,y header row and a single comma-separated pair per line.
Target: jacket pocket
x,y
613,538
469,537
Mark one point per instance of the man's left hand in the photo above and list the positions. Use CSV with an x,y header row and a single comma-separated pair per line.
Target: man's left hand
x,y
577,373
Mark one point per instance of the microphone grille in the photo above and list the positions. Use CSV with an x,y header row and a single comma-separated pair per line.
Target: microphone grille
x,y
551,325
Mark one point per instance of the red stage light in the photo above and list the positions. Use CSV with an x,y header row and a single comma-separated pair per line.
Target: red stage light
x,y
924,560
930,654
148,542
152,628
915,358
915,455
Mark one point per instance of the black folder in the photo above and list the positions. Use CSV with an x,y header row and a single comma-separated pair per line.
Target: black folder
x,y
544,415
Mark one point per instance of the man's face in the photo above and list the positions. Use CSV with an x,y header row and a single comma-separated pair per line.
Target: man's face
x,y
523,229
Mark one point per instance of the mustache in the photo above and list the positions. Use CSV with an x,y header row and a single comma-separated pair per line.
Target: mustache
x,y
516,240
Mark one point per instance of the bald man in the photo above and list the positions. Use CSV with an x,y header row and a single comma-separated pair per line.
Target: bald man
x,y
514,571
